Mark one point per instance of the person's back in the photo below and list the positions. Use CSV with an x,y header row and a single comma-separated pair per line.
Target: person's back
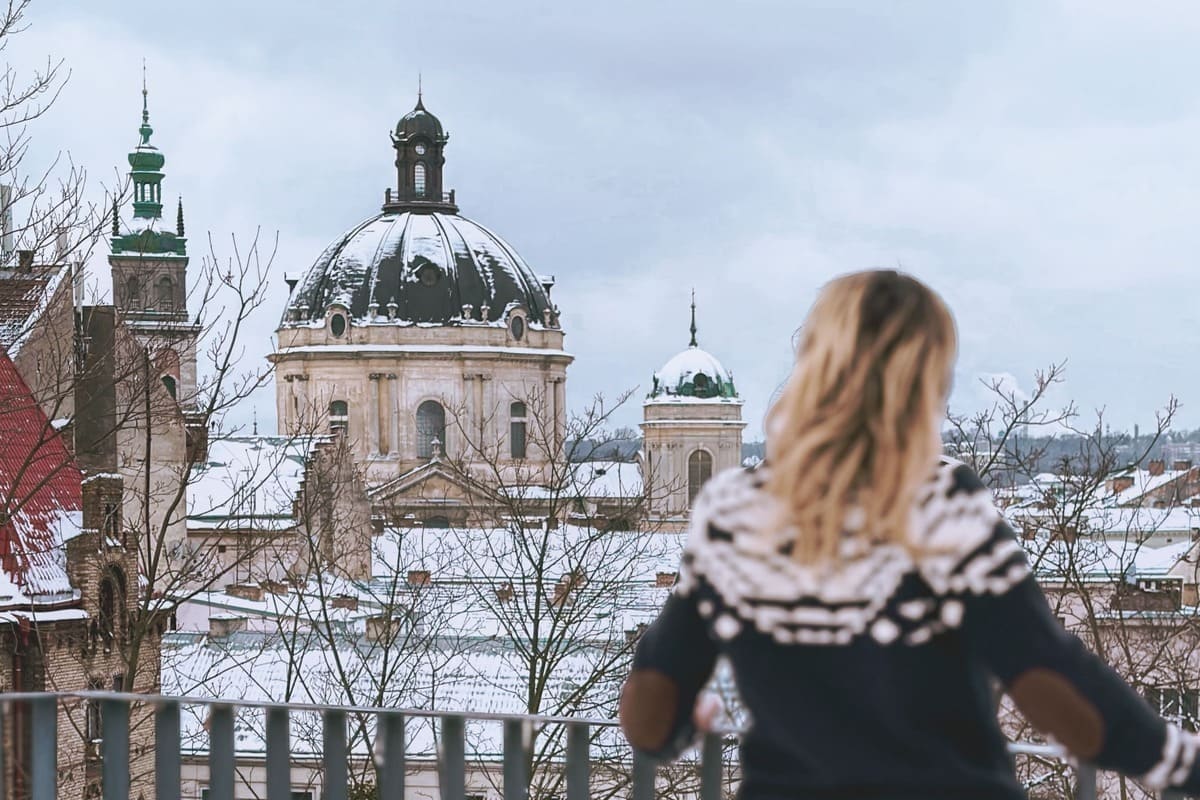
x,y
867,592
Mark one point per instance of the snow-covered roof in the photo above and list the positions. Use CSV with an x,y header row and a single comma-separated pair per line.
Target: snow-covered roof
x,y
430,265
694,375
41,488
24,298
249,482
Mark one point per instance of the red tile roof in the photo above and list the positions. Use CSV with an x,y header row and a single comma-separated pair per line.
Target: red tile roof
x,y
41,499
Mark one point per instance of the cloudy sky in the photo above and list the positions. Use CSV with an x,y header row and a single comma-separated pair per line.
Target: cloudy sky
x,y
1037,162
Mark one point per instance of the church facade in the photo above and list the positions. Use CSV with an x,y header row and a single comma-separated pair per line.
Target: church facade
x,y
427,341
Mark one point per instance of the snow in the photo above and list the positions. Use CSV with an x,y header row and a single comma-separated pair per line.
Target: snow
x,y
684,366
43,286
466,349
249,478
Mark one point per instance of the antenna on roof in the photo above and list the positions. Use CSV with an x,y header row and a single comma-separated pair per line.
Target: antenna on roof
x,y
254,413
693,343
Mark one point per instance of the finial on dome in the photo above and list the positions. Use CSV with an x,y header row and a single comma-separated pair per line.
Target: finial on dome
x,y
693,342
179,219
145,130
420,94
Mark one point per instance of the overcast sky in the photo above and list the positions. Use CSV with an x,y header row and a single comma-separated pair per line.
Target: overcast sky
x,y
1038,163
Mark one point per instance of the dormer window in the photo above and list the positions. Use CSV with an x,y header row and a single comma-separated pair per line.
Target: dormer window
x,y
419,179
429,275
337,325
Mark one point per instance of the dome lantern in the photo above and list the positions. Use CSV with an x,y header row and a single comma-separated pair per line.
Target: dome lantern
x,y
420,143
693,374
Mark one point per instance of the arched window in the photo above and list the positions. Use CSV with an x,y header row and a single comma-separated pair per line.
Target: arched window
x,y
112,605
700,466
339,416
419,179
169,382
516,430
133,290
431,425
165,292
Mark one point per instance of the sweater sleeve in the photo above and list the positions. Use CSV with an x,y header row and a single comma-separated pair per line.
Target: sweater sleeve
x,y
1061,687
672,663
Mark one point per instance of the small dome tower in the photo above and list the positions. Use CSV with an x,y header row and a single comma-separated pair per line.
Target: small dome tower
x,y
691,428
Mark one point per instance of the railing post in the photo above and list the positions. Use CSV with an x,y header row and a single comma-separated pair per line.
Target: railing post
x,y
1086,777
166,750
220,752
516,782
710,768
114,726
44,758
279,763
453,767
578,761
334,782
645,770
390,727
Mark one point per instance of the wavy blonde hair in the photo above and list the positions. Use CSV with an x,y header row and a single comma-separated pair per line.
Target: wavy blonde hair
x,y
858,424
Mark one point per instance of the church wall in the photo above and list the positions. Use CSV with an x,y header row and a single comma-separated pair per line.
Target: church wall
x,y
672,432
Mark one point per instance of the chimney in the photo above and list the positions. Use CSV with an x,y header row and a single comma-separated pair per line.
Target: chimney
x,y
418,577
246,591
345,601
1121,483
61,246
1181,466
381,627
275,587
665,580
504,593
221,627
633,634
25,260
1157,467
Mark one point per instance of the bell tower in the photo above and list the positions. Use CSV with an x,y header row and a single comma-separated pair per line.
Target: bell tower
x,y
420,144
148,263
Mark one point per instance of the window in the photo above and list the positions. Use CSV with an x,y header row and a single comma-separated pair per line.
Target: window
x,y
516,430
112,597
436,522
337,325
169,383
516,326
429,275
133,290
419,179
339,416
431,426
1179,706
165,292
700,467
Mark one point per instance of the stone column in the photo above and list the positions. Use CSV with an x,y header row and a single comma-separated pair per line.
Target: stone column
x,y
373,414
394,407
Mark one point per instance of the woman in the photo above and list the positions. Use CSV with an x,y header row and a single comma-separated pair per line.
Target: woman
x,y
867,591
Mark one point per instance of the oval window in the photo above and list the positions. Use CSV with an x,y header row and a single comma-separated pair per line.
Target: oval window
x,y
429,275
517,326
337,324
700,381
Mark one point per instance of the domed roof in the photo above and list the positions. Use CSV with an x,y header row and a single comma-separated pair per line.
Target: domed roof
x,y
430,265
694,373
419,122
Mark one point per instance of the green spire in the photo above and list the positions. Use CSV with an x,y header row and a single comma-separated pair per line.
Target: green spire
x,y
146,175
147,164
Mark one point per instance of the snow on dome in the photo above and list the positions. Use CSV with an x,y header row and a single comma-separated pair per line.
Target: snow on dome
x,y
694,373
418,267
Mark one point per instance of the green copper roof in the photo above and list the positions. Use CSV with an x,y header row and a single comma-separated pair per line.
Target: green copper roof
x,y
146,163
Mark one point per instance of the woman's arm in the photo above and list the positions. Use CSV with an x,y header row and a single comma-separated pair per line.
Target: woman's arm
x,y
673,662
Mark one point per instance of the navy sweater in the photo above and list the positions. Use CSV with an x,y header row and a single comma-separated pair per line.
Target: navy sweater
x,y
875,679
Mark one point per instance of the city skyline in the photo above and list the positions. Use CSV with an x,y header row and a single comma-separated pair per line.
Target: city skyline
x,y
1034,165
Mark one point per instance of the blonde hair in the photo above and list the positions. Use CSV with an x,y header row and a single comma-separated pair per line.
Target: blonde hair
x,y
858,424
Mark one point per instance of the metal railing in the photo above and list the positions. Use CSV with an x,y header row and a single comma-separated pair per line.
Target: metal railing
x,y
389,756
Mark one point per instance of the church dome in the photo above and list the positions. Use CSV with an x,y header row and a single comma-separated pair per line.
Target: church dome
x,y
419,122
419,267
694,373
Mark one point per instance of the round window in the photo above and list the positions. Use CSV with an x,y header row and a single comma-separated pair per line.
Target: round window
x,y
420,148
429,275
337,324
517,326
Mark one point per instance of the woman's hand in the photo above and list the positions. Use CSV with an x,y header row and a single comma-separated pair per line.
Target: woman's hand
x,y
708,707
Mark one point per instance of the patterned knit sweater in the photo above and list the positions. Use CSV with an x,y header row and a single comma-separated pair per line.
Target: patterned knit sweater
x,y
874,679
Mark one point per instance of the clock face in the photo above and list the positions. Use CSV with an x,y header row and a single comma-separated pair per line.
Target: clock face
x,y
420,149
